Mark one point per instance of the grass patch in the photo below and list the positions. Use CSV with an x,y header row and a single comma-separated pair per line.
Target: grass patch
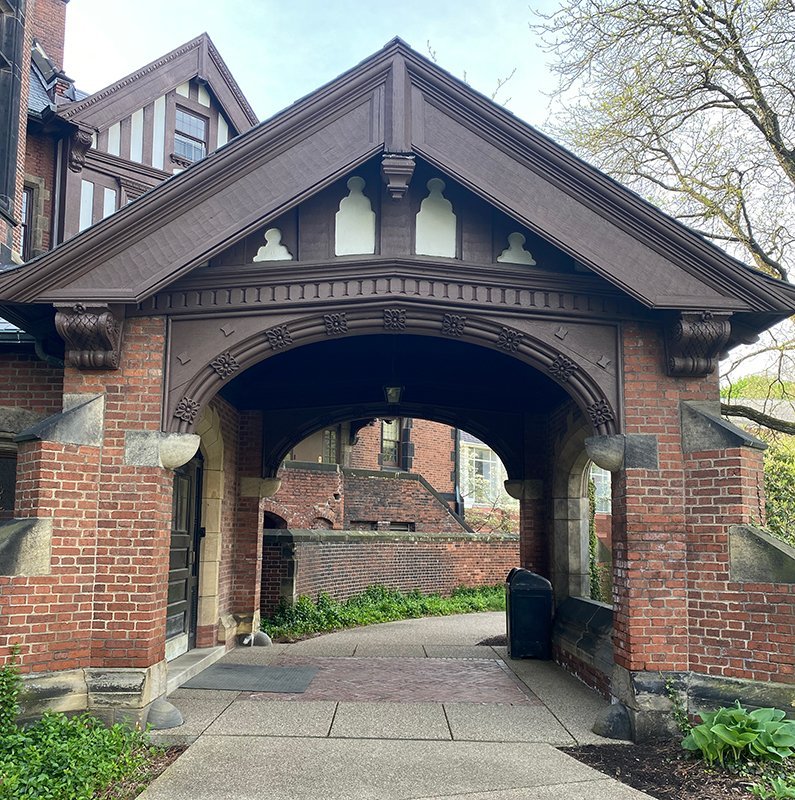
x,y
376,604
68,758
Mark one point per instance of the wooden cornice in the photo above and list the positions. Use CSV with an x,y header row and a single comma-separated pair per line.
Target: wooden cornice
x,y
239,111
399,78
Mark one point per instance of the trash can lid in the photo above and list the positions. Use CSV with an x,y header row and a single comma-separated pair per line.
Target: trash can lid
x,y
525,579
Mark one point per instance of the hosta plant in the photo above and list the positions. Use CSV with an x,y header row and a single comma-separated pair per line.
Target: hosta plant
x,y
734,734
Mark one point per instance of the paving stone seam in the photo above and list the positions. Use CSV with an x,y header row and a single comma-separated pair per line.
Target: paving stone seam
x,y
522,682
447,720
333,719
481,793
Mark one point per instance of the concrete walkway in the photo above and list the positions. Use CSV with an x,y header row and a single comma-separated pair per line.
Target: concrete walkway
x,y
407,710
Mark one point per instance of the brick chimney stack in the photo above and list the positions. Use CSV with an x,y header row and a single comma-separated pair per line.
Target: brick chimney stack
x,y
49,27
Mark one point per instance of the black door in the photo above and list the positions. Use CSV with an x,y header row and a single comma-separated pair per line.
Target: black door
x,y
183,572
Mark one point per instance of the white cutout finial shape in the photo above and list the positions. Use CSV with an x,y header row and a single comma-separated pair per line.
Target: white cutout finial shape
x,y
515,253
354,223
273,249
436,223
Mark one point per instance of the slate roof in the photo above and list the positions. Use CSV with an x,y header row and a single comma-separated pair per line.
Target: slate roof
x,y
38,97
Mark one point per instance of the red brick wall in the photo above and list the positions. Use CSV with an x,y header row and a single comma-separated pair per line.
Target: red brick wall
x,y
326,497
345,568
737,630
428,448
649,534
365,453
26,382
49,27
433,453
40,163
385,498
675,605
134,508
309,498
50,616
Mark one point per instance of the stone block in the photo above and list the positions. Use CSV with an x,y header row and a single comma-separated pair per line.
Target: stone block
x,y
125,688
704,429
14,420
613,722
25,546
758,557
633,451
82,424
53,691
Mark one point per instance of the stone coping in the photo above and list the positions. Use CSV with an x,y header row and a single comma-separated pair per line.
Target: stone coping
x,y
280,536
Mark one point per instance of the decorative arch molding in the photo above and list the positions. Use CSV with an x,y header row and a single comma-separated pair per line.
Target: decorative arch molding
x,y
560,363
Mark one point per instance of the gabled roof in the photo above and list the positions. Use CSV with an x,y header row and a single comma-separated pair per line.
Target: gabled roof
x,y
197,58
397,101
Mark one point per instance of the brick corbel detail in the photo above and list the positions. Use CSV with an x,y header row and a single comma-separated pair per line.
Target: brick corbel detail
x,y
92,334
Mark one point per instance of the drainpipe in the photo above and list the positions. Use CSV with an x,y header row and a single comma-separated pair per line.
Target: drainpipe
x,y
459,500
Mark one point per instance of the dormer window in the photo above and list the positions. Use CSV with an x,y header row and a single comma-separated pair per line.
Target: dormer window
x,y
190,135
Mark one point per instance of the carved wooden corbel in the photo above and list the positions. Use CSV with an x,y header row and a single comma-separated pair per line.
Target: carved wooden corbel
x,y
396,170
92,334
79,145
694,342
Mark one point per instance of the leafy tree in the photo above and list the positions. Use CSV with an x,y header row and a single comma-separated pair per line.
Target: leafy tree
x,y
692,104
780,488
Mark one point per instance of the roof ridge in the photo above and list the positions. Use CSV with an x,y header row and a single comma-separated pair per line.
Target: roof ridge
x,y
133,76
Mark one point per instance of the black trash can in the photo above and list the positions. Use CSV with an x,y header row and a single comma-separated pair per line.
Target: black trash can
x,y
528,610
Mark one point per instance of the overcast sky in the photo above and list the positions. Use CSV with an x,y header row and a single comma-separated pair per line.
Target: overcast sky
x,y
280,50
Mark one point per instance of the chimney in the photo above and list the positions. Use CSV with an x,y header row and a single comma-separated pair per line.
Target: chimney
x,y
49,27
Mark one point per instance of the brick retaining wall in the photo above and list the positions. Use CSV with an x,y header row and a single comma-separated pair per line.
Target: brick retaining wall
x,y
344,563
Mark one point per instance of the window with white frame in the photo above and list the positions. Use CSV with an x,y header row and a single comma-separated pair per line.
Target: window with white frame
x,y
483,475
604,497
190,135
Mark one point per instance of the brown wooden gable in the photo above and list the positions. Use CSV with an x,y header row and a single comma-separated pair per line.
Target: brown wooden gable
x,y
397,105
197,59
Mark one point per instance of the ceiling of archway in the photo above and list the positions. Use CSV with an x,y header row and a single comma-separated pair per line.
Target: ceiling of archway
x,y
455,382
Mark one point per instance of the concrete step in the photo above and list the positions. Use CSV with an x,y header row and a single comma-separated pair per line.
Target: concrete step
x,y
186,666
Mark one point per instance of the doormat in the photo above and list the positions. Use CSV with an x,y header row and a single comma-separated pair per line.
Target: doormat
x,y
253,678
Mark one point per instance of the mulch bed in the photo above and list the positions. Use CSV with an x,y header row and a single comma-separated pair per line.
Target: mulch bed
x,y
494,641
662,770
135,784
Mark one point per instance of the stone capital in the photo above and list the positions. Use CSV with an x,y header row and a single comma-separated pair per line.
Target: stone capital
x,y
259,487
528,489
159,449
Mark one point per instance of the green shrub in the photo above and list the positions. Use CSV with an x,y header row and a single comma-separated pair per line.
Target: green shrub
x,y
735,735
779,492
376,604
60,757
779,787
